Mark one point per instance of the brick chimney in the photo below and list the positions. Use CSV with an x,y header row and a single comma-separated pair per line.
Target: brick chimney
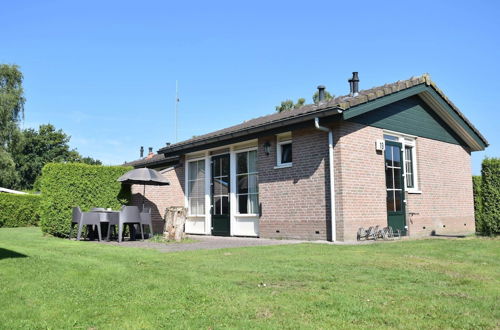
x,y
150,153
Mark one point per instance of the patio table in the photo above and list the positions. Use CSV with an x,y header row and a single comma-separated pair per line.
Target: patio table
x,y
107,216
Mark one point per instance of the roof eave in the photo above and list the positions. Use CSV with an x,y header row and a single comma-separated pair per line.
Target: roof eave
x,y
178,149
165,160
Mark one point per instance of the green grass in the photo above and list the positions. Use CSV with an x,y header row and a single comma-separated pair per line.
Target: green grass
x,y
410,284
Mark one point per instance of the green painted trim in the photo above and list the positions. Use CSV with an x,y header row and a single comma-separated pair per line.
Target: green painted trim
x,y
456,117
372,105
383,101
413,116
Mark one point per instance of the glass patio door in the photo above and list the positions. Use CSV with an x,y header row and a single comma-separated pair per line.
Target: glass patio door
x,y
395,186
220,195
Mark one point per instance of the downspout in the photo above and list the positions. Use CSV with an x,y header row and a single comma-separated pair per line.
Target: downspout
x,y
332,177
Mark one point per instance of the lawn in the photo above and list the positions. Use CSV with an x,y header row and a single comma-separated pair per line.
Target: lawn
x,y
54,283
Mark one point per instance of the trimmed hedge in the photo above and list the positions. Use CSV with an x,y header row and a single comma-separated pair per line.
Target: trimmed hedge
x,y
19,210
489,221
65,186
478,206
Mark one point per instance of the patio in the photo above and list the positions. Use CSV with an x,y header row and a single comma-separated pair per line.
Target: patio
x,y
202,243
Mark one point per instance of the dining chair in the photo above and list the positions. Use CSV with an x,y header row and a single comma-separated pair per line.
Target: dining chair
x,y
129,215
146,219
85,218
75,219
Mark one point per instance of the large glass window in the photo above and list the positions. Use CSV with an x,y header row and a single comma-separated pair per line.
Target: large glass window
x,y
220,185
409,167
196,187
409,162
247,190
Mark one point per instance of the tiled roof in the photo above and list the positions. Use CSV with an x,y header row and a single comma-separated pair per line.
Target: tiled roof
x,y
342,102
145,161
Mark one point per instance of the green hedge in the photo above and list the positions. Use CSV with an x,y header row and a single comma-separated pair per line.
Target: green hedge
x,y
478,206
489,221
19,210
65,186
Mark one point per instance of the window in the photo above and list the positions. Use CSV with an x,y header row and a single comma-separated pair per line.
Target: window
x,y
409,160
247,190
284,150
196,187
409,167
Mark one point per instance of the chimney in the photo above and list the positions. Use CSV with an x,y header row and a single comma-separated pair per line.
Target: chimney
x,y
150,153
321,93
142,151
354,84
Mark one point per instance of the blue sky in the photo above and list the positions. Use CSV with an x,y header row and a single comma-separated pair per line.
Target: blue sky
x,y
105,71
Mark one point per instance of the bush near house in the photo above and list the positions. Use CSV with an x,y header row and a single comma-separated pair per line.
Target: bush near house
x,y
478,209
489,220
65,186
19,210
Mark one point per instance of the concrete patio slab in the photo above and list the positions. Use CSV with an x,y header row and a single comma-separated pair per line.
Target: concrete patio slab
x,y
204,243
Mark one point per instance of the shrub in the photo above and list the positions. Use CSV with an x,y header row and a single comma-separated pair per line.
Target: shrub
x,y
65,186
478,205
489,223
19,210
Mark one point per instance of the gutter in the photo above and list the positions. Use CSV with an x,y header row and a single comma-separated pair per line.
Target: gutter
x,y
333,219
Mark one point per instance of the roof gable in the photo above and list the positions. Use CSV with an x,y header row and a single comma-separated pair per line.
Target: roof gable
x,y
439,104
412,116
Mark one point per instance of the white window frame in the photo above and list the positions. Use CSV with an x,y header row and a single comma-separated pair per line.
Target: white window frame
x,y
236,174
187,187
283,139
408,141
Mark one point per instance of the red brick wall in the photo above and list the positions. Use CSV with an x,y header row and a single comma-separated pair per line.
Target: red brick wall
x,y
360,179
294,200
445,205
158,198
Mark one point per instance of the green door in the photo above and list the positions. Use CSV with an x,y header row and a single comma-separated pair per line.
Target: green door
x,y
220,195
395,186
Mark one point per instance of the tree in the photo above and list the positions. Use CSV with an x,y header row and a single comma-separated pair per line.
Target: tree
x,y
90,161
11,111
42,146
289,105
328,96
8,175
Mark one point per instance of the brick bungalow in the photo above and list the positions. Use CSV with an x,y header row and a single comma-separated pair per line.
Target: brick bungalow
x,y
400,155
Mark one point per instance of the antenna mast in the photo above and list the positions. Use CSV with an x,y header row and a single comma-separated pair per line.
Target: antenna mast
x,y
176,106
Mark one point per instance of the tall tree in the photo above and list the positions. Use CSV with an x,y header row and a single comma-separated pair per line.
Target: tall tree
x,y
328,96
42,146
289,105
11,111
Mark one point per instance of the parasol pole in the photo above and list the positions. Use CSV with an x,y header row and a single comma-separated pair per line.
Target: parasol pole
x,y
143,196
